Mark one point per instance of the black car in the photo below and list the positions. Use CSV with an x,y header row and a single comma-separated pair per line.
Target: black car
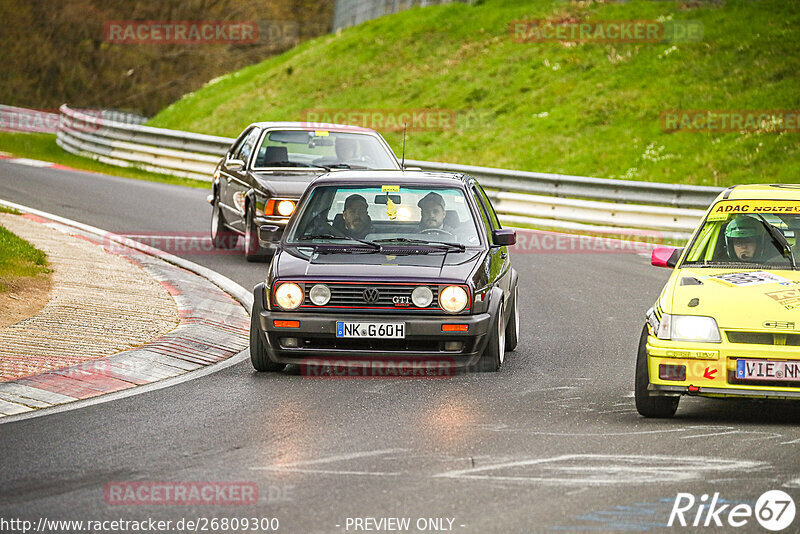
x,y
388,264
261,177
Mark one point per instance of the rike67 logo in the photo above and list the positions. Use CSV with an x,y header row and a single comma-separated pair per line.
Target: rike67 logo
x,y
774,510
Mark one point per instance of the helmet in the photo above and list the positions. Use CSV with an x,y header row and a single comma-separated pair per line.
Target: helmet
x,y
741,227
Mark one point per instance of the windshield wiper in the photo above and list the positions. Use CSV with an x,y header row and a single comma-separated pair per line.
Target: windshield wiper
x,y
372,245
296,165
779,240
404,240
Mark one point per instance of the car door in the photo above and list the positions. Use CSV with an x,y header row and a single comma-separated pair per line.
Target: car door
x,y
238,184
499,264
224,189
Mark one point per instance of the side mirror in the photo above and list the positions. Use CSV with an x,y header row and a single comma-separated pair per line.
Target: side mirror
x,y
269,233
665,256
504,237
234,164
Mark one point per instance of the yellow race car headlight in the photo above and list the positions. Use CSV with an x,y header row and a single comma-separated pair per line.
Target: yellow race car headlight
x,y
289,296
453,299
689,328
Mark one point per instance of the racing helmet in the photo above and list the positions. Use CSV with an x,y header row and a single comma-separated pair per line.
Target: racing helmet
x,y
742,227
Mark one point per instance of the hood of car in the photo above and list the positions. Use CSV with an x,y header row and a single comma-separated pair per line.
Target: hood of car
x,y
278,185
747,299
451,266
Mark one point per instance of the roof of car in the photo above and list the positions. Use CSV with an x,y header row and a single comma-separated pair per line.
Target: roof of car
x,y
312,126
762,192
391,177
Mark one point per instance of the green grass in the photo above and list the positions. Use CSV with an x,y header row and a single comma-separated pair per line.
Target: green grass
x,y
588,109
12,211
18,259
43,147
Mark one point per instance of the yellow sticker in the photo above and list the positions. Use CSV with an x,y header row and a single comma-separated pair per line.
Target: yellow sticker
x,y
390,189
320,133
724,208
391,209
717,216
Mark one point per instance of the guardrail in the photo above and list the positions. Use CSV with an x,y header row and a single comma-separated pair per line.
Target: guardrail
x,y
557,201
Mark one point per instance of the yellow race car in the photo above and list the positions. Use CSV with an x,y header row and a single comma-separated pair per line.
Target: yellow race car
x,y
727,323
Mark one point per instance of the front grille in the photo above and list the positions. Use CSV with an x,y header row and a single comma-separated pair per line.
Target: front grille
x,y
352,296
764,338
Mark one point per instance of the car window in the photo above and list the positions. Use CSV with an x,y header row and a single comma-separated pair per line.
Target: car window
x,y
487,205
344,150
388,212
735,235
485,218
237,147
247,146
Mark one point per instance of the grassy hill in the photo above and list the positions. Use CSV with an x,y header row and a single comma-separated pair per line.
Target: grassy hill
x,y
588,108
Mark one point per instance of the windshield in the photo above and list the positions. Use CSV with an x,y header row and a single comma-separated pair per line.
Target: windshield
x,y
385,214
320,148
747,233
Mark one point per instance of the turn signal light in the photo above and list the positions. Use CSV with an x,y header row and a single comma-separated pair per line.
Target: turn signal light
x,y
455,327
286,324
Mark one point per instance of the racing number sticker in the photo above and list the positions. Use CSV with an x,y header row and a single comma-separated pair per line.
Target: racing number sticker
x,y
750,278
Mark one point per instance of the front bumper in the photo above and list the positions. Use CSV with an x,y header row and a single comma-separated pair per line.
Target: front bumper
x,y
711,369
424,338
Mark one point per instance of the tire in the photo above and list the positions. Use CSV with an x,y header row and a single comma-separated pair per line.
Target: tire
x,y
512,328
221,237
647,405
258,349
494,354
252,249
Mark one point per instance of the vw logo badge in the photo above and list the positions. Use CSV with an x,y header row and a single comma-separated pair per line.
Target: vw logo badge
x,y
371,295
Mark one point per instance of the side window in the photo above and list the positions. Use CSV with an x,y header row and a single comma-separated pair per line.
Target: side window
x,y
247,147
489,208
486,224
237,147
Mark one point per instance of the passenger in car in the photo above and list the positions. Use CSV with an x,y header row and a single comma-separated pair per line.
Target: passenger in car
x,y
355,221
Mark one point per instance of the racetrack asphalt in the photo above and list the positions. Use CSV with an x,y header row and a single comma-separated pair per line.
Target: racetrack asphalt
x,y
551,442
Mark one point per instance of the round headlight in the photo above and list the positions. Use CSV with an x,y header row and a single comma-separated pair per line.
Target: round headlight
x,y
320,294
453,299
422,297
289,296
285,207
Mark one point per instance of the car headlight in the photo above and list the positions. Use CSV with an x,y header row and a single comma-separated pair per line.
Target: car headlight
x,y
320,294
453,299
285,207
422,296
289,296
688,328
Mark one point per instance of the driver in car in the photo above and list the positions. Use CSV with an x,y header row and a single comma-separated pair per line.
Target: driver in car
x,y
747,241
433,213
346,149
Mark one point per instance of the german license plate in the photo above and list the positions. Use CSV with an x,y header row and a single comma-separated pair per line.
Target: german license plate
x,y
378,330
768,370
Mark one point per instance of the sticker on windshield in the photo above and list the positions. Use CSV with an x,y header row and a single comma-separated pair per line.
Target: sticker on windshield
x,y
727,207
750,278
321,133
390,189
